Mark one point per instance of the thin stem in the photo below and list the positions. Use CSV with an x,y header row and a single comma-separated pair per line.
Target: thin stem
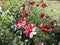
x,y
10,2
28,43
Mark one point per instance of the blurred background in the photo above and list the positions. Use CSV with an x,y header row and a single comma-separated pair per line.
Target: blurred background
x,y
5,4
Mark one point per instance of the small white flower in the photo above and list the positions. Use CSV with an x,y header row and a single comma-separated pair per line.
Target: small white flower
x,y
12,18
3,14
0,9
7,11
1,33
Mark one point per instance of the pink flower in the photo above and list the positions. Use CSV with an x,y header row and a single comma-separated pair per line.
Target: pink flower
x,y
53,10
42,4
21,23
25,14
53,23
41,1
30,30
25,0
40,24
41,44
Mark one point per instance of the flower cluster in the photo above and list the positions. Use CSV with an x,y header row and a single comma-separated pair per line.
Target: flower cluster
x,y
29,29
27,23
42,4
47,27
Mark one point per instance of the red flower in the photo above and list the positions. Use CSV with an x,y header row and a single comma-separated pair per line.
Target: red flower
x,y
55,29
46,29
49,29
53,23
53,10
47,17
43,5
42,15
32,3
25,14
40,24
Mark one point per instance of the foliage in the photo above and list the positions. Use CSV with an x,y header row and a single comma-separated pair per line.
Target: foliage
x,y
29,15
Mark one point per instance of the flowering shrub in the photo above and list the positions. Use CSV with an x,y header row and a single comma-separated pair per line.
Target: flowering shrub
x,y
27,24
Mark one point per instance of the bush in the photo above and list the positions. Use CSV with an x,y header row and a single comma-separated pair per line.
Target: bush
x,y
29,23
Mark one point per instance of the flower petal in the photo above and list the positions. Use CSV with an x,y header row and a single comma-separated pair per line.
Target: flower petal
x,y
34,29
31,35
34,33
18,25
